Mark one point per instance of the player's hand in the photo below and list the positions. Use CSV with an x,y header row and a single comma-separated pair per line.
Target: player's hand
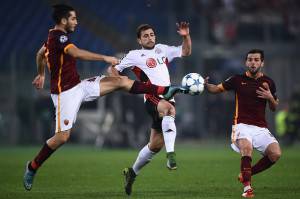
x,y
264,92
206,81
38,81
183,28
111,60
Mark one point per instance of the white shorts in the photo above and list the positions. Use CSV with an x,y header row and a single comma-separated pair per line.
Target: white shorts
x,y
68,102
258,136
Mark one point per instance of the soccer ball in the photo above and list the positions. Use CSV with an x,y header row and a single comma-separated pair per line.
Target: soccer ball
x,y
194,83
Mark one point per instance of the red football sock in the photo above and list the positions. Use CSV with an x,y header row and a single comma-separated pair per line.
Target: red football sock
x,y
43,155
141,87
246,169
263,164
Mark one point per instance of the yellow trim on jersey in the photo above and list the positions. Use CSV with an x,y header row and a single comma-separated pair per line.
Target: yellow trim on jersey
x,y
59,91
236,114
67,47
60,71
47,59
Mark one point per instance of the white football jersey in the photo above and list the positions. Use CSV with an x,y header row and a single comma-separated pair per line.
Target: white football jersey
x,y
154,63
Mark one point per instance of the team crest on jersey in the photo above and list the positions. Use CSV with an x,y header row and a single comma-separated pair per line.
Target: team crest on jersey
x,y
63,38
151,63
157,50
66,122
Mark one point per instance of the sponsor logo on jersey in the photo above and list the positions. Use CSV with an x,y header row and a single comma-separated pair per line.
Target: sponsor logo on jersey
x,y
63,38
162,60
151,63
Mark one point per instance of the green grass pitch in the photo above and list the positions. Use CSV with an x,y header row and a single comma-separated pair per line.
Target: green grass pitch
x,y
203,172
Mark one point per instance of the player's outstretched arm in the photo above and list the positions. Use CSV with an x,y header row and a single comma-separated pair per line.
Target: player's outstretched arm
x,y
39,80
87,55
212,88
184,31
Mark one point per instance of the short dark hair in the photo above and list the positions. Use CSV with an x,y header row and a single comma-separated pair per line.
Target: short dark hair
x,y
259,51
141,28
61,11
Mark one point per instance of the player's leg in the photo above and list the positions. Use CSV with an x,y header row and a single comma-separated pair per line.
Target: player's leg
x,y
167,111
147,153
267,144
110,84
46,151
66,107
49,147
246,149
271,155
144,157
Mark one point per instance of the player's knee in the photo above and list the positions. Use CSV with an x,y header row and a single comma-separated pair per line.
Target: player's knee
x,y
63,137
246,151
172,111
274,157
169,111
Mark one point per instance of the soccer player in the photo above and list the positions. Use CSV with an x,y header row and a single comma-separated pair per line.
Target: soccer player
x,y
253,91
67,90
150,64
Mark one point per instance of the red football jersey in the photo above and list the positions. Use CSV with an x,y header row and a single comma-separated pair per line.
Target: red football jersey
x,y
62,67
249,109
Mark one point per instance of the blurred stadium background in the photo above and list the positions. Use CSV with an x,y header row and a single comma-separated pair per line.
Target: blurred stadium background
x,y
222,32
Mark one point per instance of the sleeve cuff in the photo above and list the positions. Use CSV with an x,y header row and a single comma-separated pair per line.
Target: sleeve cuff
x,y
67,47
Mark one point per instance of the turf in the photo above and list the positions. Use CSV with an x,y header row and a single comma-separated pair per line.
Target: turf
x,y
203,172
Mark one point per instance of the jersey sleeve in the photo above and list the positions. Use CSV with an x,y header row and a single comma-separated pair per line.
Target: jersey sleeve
x,y
63,42
126,62
230,83
172,51
273,89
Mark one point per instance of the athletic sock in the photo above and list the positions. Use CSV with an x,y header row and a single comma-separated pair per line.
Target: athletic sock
x,y
144,157
43,155
246,169
263,164
141,87
169,132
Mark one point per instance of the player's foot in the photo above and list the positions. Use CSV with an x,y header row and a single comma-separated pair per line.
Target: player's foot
x,y
129,179
28,177
173,90
171,163
248,193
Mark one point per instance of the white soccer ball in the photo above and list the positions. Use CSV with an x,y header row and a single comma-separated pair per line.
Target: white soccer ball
x,y
194,83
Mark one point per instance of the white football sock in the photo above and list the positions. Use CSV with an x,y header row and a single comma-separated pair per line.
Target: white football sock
x,y
246,188
169,132
144,157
